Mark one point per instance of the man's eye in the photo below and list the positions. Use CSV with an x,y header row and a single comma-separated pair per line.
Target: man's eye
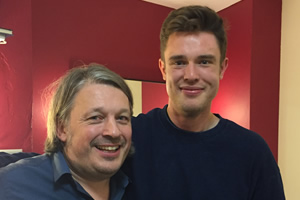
x,y
123,119
204,62
96,117
179,63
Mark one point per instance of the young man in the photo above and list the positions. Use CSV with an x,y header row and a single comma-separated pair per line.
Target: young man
x,y
89,137
184,151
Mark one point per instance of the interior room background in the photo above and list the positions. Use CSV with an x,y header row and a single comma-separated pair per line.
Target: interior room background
x,y
259,90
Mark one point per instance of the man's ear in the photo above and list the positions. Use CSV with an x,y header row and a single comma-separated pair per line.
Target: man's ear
x,y
224,66
61,132
162,68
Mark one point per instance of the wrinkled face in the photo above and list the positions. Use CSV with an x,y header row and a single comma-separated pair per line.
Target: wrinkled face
x,y
192,72
97,136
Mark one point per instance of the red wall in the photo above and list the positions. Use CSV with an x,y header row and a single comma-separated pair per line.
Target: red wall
x,y
265,70
233,99
124,36
16,76
251,84
154,95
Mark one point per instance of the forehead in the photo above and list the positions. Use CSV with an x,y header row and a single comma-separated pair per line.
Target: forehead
x,y
189,43
100,95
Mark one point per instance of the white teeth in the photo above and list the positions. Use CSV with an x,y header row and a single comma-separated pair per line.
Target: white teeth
x,y
108,148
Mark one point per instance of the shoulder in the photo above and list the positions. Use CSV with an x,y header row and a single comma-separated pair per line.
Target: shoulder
x,y
27,167
151,119
7,158
243,138
150,115
238,131
28,178
24,173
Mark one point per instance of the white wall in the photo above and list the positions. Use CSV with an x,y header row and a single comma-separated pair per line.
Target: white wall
x,y
136,89
289,107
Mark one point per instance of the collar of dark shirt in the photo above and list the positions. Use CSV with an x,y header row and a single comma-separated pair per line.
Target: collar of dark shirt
x,y
118,182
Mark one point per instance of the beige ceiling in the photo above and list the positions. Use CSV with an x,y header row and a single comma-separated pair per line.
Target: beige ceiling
x,y
217,5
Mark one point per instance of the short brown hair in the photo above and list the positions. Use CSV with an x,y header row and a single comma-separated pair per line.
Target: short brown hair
x,y
193,19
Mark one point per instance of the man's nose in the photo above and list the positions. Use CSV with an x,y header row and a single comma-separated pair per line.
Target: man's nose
x,y
111,128
190,72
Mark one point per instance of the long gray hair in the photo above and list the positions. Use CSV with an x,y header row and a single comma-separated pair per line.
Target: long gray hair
x,y
66,89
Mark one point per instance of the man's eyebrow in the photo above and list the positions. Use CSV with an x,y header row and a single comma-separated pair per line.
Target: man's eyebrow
x,y
207,56
93,110
124,110
177,57
102,110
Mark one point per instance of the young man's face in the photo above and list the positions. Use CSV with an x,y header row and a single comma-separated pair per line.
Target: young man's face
x,y
98,134
192,72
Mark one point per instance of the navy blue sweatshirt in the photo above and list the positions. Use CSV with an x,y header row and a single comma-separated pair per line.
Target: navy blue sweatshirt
x,y
227,162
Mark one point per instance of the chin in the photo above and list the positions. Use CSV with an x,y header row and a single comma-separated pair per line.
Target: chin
x,y
193,109
110,167
108,171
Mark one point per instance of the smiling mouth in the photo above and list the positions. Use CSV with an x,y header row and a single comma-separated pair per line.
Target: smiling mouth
x,y
192,91
108,148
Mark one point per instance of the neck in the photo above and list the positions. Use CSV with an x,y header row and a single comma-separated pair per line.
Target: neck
x,y
99,190
196,123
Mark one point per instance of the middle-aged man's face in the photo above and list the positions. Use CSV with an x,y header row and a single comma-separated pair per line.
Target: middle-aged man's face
x,y
192,71
98,134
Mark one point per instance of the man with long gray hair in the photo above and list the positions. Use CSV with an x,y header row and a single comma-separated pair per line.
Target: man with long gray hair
x,y
89,137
